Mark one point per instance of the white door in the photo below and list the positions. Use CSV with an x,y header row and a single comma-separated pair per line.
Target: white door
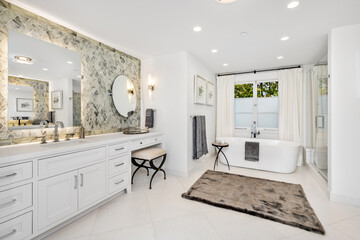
x,y
57,198
92,184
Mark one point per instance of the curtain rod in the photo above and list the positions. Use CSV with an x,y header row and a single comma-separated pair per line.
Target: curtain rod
x,y
258,71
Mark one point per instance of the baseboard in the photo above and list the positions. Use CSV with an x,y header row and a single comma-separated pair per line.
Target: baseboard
x,y
318,178
345,199
201,162
175,173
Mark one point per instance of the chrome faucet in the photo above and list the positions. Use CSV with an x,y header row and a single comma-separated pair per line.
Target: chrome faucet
x,y
56,132
253,131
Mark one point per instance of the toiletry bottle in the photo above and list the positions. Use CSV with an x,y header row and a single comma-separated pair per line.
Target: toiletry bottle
x,y
81,132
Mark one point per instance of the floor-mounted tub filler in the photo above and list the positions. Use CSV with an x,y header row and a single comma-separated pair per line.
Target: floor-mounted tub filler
x,y
274,155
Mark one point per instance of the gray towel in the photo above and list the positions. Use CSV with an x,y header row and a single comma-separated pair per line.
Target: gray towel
x,y
149,118
199,137
252,151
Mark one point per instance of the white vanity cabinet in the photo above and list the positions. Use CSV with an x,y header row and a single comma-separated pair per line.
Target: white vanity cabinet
x,y
57,198
62,195
92,184
43,187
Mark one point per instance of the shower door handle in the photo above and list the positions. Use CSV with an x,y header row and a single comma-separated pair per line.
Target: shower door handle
x,y
319,122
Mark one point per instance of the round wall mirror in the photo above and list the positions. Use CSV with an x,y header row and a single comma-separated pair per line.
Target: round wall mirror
x,y
124,96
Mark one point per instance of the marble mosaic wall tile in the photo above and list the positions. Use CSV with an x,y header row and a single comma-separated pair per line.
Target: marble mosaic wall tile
x,y
76,109
100,65
41,95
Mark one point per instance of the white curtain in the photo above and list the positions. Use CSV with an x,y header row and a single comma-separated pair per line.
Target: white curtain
x,y
225,106
290,101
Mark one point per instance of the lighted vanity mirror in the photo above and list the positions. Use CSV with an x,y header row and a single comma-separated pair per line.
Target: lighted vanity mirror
x,y
44,84
124,95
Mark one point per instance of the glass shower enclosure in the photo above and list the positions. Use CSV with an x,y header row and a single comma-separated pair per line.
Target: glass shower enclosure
x,y
319,82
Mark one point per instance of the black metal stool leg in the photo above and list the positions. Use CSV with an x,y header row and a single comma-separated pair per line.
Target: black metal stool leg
x,y
217,156
133,160
226,159
157,169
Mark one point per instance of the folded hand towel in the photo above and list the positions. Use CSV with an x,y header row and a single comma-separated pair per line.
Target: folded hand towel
x,y
149,118
252,151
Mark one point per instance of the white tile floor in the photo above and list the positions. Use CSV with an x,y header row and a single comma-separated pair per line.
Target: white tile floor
x,y
162,214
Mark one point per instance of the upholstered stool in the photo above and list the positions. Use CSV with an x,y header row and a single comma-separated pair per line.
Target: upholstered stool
x,y
148,155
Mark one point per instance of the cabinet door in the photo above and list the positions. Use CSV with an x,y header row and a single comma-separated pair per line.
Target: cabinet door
x,y
57,198
92,184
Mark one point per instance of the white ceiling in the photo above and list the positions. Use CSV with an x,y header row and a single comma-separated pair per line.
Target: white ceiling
x,y
148,28
44,55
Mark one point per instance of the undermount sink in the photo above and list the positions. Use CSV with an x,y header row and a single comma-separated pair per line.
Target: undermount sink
x,y
64,143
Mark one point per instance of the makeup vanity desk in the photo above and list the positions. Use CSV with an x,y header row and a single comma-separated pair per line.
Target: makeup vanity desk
x,y
44,187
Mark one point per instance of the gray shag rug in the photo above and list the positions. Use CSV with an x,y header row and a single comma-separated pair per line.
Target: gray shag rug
x,y
277,201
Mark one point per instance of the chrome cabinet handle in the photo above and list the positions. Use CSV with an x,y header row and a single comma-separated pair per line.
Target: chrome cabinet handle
x,y
118,182
8,234
8,175
118,165
119,149
76,181
81,179
8,203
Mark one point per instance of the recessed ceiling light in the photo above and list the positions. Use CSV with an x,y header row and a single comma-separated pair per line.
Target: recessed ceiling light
x,y
243,34
214,51
285,38
197,29
69,62
293,4
45,69
226,1
17,88
23,60
280,57
79,76
225,64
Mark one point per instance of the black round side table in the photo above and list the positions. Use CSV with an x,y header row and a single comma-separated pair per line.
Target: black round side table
x,y
219,147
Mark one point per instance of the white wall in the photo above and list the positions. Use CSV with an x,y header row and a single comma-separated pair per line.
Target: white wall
x,y
195,67
173,100
344,112
22,92
65,113
169,99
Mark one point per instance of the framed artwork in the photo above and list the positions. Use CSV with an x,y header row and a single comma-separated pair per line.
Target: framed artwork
x,y
210,93
56,99
24,105
200,90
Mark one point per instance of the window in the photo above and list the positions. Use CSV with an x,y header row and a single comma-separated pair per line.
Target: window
x,y
257,101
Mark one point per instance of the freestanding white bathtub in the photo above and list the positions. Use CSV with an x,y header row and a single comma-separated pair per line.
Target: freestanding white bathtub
x,y
275,155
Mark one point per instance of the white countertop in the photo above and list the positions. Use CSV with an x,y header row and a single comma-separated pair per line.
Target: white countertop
x,y
13,153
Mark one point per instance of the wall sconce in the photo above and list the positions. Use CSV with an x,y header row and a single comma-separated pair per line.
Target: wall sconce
x,y
131,91
151,87
151,83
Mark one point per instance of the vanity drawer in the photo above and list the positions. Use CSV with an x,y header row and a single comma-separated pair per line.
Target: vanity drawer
x,y
68,162
140,143
118,149
118,182
155,140
15,199
15,173
119,164
17,228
